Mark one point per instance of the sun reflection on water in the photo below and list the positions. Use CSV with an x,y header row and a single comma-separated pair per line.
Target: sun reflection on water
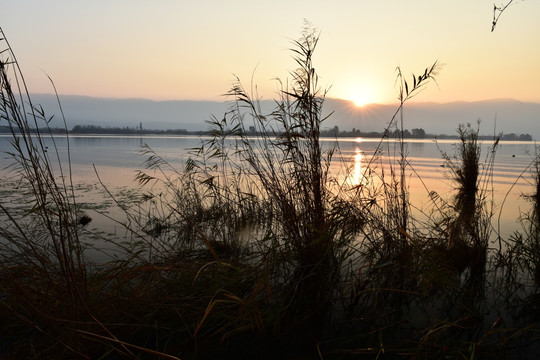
x,y
357,176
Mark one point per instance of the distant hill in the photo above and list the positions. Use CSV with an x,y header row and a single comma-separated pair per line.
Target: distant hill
x,y
84,110
507,116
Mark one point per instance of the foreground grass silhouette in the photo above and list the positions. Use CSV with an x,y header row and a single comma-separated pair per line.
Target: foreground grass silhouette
x,y
329,270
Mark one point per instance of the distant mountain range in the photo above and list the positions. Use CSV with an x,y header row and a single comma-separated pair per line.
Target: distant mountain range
x,y
506,115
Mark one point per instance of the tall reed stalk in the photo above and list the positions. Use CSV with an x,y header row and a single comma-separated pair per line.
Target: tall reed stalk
x,y
523,247
42,242
286,158
470,228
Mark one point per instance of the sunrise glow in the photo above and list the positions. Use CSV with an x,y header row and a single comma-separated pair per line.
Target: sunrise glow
x,y
360,101
361,91
360,69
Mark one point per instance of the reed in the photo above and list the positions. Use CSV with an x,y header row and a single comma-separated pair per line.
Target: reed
x,y
469,227
254,248
521,258
301,233
42,257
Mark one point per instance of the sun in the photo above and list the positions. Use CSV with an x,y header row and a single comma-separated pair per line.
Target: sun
x,y
360,98
360,101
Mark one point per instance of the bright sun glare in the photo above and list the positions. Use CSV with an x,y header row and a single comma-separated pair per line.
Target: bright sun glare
x,y
360,99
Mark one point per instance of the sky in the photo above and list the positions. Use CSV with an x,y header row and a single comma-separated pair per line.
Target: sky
x,y
194,50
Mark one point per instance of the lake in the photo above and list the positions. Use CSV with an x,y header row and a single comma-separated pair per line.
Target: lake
x,y
117,158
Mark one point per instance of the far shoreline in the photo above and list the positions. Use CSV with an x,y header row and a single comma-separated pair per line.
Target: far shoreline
x,y
417,133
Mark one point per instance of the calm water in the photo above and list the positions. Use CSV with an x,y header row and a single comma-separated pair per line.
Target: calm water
x,y
116,158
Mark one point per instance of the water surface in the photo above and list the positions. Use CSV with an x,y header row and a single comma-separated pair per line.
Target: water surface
x,y
117,158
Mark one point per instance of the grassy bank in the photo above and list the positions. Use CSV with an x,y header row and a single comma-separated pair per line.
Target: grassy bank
x,y
255,249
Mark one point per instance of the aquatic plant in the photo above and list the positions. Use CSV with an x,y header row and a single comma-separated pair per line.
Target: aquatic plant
x,y
523,247
255,248
469,227
42,257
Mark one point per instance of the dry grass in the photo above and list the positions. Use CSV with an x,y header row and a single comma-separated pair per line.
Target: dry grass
x,y
327,271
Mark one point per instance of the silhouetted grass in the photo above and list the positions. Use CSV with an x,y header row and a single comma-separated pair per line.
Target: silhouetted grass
x,y
469,228
256,249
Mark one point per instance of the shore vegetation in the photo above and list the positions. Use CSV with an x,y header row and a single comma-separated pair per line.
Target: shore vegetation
x,y
254,248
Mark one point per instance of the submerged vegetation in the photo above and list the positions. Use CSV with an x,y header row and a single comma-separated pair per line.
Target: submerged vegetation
x,y
255,248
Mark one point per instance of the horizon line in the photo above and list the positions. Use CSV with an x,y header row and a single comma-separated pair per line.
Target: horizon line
x,y
329,98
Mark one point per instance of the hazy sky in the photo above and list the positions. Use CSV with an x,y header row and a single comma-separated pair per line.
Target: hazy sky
x,y
165,49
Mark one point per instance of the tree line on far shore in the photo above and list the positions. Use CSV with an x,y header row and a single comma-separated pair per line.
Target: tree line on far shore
x,y
416,133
